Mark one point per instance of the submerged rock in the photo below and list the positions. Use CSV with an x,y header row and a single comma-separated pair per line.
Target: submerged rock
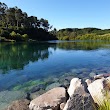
x,y
92,74
37,88
50,100
4,105
36,94
6,97
19,105
75,71
53,85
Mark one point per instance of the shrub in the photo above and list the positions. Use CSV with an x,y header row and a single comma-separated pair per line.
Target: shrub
x,y
16,36
13,34
25,37
4,33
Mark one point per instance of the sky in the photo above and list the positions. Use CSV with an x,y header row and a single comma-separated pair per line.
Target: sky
x,y
67,13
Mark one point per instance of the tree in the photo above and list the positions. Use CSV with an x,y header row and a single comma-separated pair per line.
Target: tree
x,y
10,16
44,24
18,16
32,21
3,8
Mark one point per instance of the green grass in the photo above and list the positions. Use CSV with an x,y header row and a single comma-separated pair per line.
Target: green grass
x,y
106,103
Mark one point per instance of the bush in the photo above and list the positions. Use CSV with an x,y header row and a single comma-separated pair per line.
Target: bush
x,y
16,36
13,34
4,33
25,37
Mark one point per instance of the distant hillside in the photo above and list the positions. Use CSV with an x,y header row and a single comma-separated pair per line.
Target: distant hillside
x,y
83,34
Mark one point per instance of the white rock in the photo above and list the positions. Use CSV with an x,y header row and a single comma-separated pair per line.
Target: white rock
x,y
66,105
108,79
99,76
96,90
75,87
88,81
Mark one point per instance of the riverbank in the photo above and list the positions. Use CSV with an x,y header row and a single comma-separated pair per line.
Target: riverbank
x,y
89,94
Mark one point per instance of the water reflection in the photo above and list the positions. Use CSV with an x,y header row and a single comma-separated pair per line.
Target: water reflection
x,y
16,56
83,45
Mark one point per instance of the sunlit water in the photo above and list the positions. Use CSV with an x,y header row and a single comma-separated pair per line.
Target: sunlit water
x,y
24,66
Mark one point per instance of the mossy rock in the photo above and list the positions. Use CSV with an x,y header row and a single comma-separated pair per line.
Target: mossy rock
x,y
28,85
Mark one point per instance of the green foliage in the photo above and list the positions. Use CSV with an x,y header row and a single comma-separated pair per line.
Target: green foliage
x,y
104,106
25,37
83,34
4,33
14,24
105,103
13,34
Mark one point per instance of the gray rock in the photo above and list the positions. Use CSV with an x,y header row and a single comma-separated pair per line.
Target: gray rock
x,y
53,85
6,97
92,74
49,100
62,105
3,106
19,105
80,102
75,71
37,88
36,94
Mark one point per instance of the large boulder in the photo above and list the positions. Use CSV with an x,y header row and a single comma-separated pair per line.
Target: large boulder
x,y
50,100
98,90
100,76
19,105
80,102
76,86
88,82
79,98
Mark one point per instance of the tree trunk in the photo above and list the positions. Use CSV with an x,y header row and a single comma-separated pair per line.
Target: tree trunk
x,y
17,24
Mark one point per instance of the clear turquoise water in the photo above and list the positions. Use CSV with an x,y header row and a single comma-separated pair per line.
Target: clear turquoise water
x,y
38,67
25,65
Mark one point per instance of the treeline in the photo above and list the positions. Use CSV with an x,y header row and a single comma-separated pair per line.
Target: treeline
x,y
83,34
16,25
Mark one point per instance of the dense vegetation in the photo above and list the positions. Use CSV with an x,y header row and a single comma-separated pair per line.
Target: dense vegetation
x,y
16,25
83,34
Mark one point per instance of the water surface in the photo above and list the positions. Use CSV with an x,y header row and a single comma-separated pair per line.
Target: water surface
x,y
24,66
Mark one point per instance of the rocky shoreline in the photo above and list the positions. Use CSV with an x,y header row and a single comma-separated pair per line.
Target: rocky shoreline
x,y
80,95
